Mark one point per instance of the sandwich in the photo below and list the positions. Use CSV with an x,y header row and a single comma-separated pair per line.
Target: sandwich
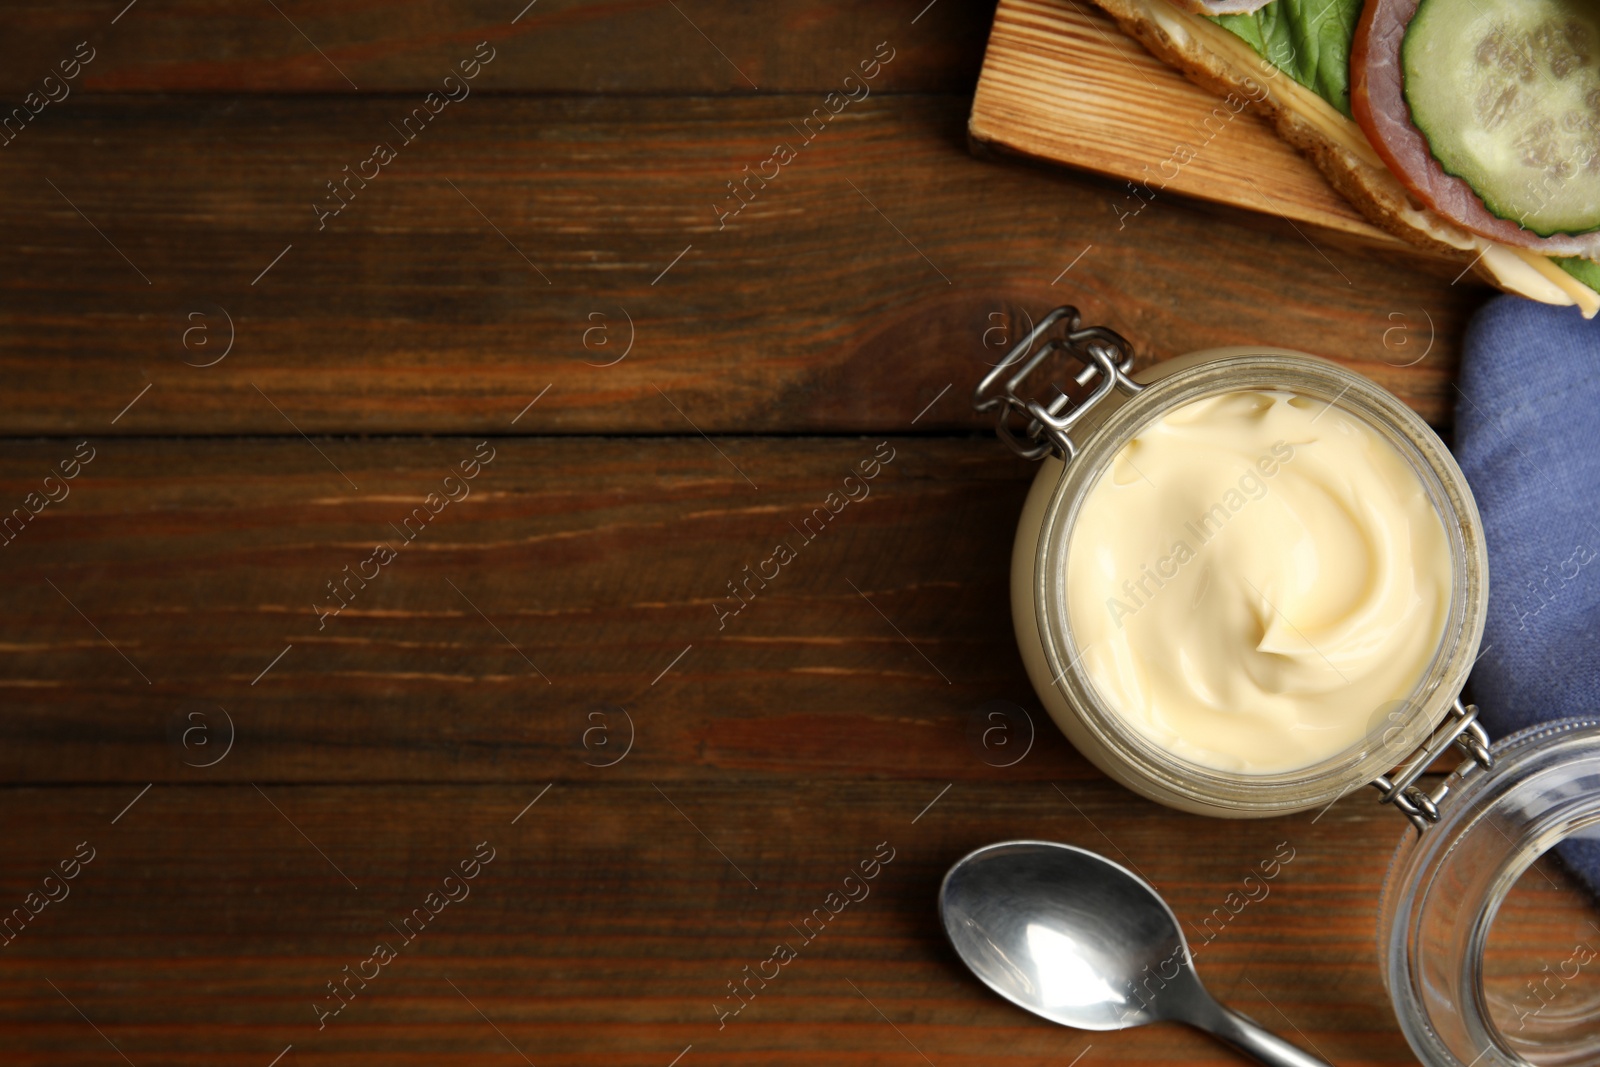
x,y
1469,127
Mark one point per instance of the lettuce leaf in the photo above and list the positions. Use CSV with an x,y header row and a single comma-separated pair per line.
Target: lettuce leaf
x,y
1586,271
1309,40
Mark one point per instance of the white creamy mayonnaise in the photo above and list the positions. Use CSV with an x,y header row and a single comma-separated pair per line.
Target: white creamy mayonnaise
x,y
1256,580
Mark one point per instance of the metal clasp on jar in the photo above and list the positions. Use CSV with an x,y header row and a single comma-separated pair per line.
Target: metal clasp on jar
x,y
1106,355
1462,730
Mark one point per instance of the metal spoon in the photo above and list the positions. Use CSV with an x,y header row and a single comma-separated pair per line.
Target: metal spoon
x,y
1085,942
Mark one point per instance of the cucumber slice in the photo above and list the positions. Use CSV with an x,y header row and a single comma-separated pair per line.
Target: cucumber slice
x,y
1507,93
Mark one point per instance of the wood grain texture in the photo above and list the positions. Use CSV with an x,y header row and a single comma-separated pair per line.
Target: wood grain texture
x,y
606,928
268,791
537,623
555,46
1062,82
795,738
870,275
600,560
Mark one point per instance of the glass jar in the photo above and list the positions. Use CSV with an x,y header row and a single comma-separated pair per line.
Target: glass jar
x,y
1454,871
1446,888
1077,444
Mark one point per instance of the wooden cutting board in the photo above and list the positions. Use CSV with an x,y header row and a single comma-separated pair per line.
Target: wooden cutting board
x,y
1061,82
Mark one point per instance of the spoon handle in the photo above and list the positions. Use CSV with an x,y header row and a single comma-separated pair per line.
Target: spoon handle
x,y
1236,1030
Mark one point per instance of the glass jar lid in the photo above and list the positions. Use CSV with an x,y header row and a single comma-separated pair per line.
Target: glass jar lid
x,y
1487,967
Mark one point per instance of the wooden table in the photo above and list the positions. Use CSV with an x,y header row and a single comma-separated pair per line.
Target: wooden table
x,y
655,398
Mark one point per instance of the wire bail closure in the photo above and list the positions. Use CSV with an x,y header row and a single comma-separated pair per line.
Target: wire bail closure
x,y
1464,732
1105,354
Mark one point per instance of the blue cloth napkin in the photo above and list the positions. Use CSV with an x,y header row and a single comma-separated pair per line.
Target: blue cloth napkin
x,y
1528,440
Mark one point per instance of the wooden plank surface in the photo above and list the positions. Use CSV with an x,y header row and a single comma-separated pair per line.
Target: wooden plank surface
x,y
606,928
410,313
600,560
1062,82
241,765
555,46
140,643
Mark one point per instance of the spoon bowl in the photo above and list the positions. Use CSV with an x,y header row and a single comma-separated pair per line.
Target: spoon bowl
x,y
1084,942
